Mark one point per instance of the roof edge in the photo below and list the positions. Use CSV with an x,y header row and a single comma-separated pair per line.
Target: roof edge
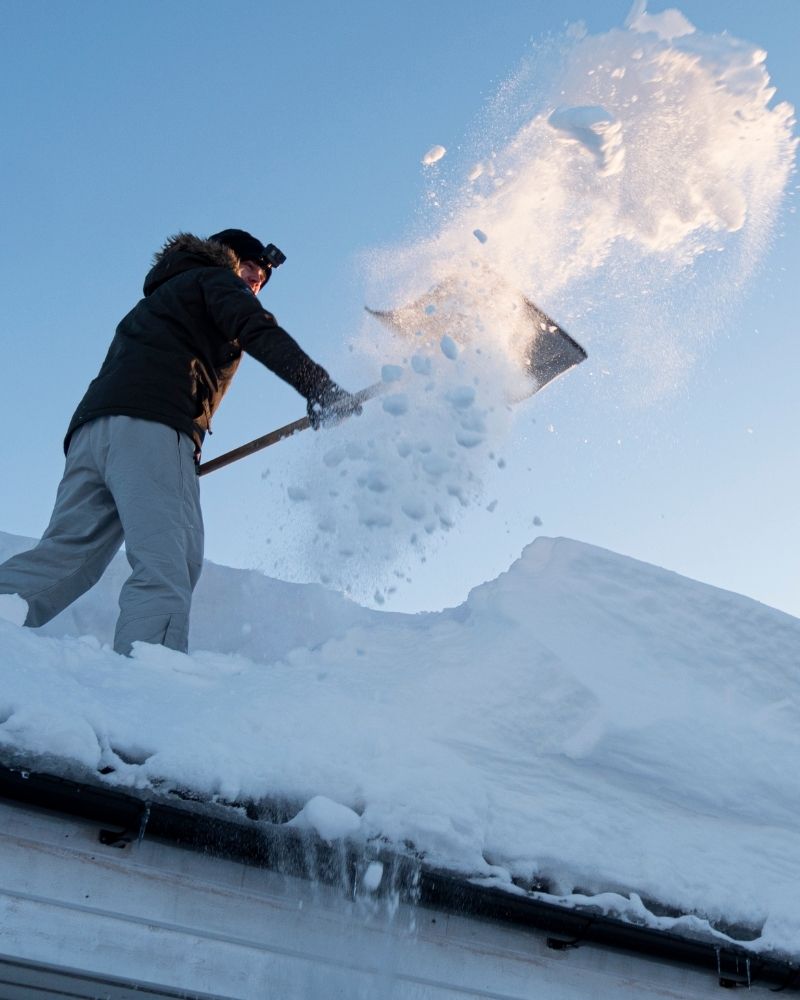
x,y
130,816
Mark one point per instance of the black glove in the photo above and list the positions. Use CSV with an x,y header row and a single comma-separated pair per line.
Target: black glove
x,y
329,405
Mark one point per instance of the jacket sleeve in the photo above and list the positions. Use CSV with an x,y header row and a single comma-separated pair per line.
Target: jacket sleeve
x,y
242,318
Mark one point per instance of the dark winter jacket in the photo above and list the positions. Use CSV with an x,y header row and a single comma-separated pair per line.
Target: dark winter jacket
x,y
174,355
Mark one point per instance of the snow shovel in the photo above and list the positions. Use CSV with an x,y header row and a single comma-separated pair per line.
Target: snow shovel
x,y
277,435
453,308
546,353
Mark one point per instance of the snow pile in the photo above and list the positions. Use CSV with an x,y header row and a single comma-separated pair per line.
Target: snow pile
x,y
585,722
627,183
234,611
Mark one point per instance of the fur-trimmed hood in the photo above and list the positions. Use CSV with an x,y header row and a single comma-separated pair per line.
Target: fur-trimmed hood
x,y
184,251
175,352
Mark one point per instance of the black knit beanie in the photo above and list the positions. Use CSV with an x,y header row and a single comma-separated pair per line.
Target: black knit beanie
x,y
245,246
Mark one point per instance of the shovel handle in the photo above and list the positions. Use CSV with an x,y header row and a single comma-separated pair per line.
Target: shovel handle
x,y
257,444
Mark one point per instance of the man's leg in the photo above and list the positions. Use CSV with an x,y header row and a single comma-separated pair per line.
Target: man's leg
x,y
81,540
152,476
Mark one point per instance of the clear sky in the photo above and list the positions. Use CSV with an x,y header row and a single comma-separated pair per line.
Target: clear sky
x,y
306,123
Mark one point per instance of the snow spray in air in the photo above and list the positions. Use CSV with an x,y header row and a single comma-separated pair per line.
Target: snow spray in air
x,y
629,184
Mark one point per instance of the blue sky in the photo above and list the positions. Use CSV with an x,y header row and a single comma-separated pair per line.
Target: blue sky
x,y
305,123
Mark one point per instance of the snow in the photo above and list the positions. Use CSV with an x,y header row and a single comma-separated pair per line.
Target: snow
x,y
372,876
598,131
13,609
656,150
667,25
584,723
585,726
434,154
449,347
396,404
391,373
330,820
652,150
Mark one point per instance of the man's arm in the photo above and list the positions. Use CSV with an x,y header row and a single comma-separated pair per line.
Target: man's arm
x,y
242,318
239,314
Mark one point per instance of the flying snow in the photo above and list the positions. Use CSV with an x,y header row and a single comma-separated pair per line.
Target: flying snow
x,y
629,182
656,151
434,154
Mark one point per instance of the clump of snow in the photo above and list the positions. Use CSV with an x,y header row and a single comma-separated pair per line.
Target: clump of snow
x,y
598,131
396,404
434,154
449,347
421,364
371,879
667,25
585,721
330,820
391,373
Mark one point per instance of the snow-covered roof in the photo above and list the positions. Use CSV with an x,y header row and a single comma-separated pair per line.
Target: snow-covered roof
x,y
584,727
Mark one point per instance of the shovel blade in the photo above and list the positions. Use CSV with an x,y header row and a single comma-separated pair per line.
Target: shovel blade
x,y
551,350
456,308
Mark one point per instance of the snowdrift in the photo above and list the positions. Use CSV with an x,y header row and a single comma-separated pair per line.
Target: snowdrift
x,y
584,726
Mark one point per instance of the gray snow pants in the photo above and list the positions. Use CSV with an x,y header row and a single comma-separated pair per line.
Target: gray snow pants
x,y
124,478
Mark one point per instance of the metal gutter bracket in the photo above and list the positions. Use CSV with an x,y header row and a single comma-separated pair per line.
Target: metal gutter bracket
x,y
733,971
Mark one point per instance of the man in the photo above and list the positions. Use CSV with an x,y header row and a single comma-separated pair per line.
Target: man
x,y
134,442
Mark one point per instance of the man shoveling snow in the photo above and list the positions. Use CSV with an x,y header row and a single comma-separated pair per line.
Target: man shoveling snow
x,y
133,444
